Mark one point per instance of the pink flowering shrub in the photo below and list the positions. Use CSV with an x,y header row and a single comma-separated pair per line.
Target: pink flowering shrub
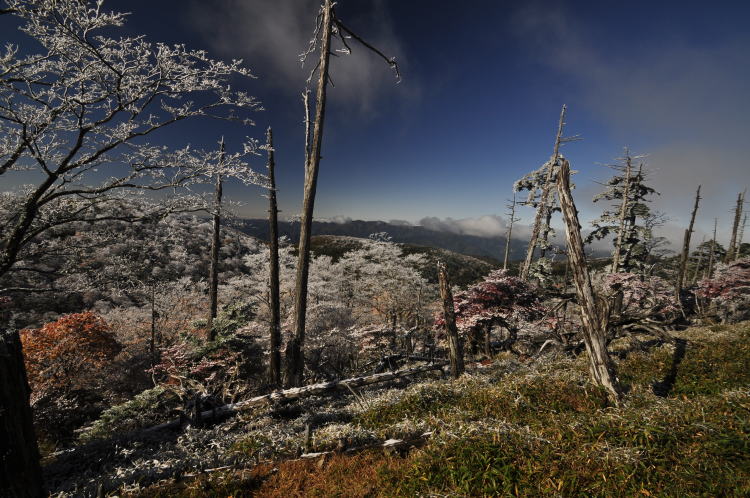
x,y
643,296
728,290
499,299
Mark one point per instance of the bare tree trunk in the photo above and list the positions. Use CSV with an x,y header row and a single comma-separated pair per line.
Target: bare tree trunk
x,y
273,238
213,276
623,211
594,330
735,225
699,263
741,235
711,253
543,206
152,345
449,314
295,359
20,472
686,245
488,341
510,231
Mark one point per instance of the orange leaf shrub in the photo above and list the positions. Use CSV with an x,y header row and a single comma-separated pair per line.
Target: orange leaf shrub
x,y
69,353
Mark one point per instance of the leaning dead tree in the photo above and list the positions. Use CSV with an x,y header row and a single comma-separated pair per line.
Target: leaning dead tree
x,y
20,473
274,367
449,316
594,321
327,27
686,245
213,275
543,178
731,250
511,219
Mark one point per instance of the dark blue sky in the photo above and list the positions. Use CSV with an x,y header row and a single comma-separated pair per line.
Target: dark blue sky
x,y
483,82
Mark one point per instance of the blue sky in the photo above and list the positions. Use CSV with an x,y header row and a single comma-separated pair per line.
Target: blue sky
x,y
478,104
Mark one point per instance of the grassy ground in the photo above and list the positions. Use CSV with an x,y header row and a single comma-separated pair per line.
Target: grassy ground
x,y
540,429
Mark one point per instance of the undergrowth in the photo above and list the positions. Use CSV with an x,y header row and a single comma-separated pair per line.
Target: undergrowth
x,y
684,430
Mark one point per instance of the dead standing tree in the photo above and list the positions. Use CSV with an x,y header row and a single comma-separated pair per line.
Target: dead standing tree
x,y
274,367
511,219
710,268
594,322
327,27
213,274
543,207
686,245
449,315
732,250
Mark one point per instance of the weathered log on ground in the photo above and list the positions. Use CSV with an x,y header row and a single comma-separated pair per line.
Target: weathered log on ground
x,y
302,392
390,445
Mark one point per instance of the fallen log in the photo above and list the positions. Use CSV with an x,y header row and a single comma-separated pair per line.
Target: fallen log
x,y
390,445
300,392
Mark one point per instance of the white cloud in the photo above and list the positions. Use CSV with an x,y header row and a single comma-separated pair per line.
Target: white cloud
x,y
271,34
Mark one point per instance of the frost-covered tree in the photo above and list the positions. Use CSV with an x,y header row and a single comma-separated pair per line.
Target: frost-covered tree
x,y
541,187
78,104
628,191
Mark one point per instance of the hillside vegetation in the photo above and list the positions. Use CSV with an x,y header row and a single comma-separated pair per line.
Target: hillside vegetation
x,y
527,429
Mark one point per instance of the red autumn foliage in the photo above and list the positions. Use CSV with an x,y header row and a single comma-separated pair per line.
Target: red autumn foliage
x,y
499,299
69,353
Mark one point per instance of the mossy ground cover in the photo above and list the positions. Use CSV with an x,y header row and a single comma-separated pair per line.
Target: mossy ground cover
x,y
684,430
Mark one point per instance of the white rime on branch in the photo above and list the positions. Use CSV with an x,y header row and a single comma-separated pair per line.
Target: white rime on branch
x,y
77,112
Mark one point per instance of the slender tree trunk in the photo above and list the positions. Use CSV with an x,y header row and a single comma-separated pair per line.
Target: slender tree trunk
x,y
152,345
510,232
741,235
713,250
735,225
20,472
544,201
449,314
699,263
295,359
273,238
488,341
686,245
594,330
623,211
213,277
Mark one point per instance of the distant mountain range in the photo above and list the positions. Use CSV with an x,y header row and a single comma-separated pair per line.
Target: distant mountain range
x,y
485,247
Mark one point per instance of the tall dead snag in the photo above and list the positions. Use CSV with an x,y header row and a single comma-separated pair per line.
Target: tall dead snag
x,y
20,473
511,220
274,367
295,361
543,206
449,315
731,250
594,329
686,245
711,253
213,276
329,26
